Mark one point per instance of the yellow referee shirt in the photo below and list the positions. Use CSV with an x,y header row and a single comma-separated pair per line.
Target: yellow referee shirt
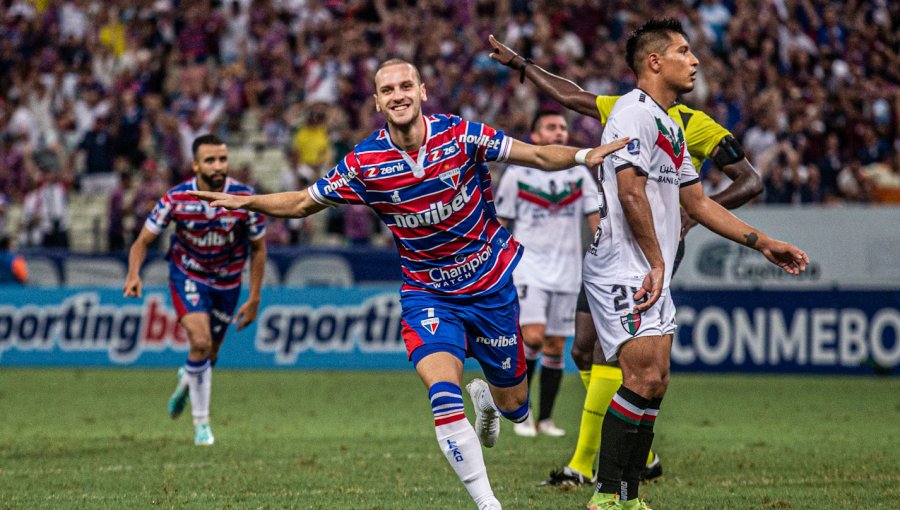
x,y
701,132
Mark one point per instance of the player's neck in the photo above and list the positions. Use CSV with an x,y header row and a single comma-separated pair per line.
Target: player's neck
x,y
659,92
409,137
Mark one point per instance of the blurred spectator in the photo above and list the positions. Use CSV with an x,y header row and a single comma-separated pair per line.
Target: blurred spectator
x,y
121,203
98,152
45,211
820,75
852,183
311,142
150,186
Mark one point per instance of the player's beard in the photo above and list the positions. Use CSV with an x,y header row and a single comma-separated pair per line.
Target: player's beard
x,y
215,182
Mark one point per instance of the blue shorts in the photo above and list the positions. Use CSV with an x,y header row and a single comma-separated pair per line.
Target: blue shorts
x,y
191,296
482,327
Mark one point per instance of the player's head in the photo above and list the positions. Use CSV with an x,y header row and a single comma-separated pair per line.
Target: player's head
x,y
549,127
210,161
399,92
660,49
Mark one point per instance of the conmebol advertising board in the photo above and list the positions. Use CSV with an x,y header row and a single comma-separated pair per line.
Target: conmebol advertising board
x,y
359,328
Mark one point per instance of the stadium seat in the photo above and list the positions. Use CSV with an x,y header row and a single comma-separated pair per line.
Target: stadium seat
x,y
319,271
42,271
94,272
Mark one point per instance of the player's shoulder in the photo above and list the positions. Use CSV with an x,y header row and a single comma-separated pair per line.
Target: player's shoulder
x,y
237,187
635,105
441,121
378,141
179,191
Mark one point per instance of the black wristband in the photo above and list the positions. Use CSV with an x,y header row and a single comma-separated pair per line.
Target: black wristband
x,y
525,63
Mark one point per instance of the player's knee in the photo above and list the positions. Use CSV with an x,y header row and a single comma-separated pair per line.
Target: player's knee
x,y
202,344
512,399
647,383
554,347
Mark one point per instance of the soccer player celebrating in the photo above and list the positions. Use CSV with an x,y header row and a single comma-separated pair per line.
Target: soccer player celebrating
x,y
546,208
209,248
425,177
705,139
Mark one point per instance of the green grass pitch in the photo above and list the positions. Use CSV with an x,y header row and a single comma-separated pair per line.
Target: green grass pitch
x,y
333,440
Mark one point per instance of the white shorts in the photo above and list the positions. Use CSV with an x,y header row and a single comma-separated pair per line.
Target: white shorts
x,y
556,310
611,308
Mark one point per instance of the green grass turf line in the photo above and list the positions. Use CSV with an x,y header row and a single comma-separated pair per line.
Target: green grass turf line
x,y
78,438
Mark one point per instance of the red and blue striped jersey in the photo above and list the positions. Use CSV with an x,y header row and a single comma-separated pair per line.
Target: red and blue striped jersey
x,y
210,244
443,219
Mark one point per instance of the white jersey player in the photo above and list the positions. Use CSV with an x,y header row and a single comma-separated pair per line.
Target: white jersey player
x,y
615,263
547,209
628,268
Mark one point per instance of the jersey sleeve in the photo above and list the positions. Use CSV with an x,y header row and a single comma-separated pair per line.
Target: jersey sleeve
x,y
639,126
256,225
590,192
341,185
605,105
481,142
505,199
159,218
688,173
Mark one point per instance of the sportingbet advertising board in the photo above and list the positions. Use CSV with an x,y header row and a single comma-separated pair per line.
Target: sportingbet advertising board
x,y
359,328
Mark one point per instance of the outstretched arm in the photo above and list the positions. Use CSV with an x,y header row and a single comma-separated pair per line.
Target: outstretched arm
x,y
290,204
713,216
559,157
563,91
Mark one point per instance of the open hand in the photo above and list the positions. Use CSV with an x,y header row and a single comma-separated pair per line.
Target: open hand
x,y
502,53
597,154
788,257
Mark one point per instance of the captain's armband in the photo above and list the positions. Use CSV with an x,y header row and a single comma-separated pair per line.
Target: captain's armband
x,y
728,151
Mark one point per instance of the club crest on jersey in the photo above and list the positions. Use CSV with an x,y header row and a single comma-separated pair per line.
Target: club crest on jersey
x,y
450,178
395,196
228,223
671,144
631,322
431,324
194,298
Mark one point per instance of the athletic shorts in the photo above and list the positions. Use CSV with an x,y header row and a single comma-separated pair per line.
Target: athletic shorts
x,y
556,310
611,309
482,327
582,305
191,296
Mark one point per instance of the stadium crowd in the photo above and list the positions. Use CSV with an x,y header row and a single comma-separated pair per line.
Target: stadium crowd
x,y
104,98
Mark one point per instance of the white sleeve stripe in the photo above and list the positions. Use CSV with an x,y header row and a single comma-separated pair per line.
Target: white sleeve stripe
x,y
316,196
152,227
505,147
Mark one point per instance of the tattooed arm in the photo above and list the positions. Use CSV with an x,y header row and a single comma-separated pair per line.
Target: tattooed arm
x,y
718,219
